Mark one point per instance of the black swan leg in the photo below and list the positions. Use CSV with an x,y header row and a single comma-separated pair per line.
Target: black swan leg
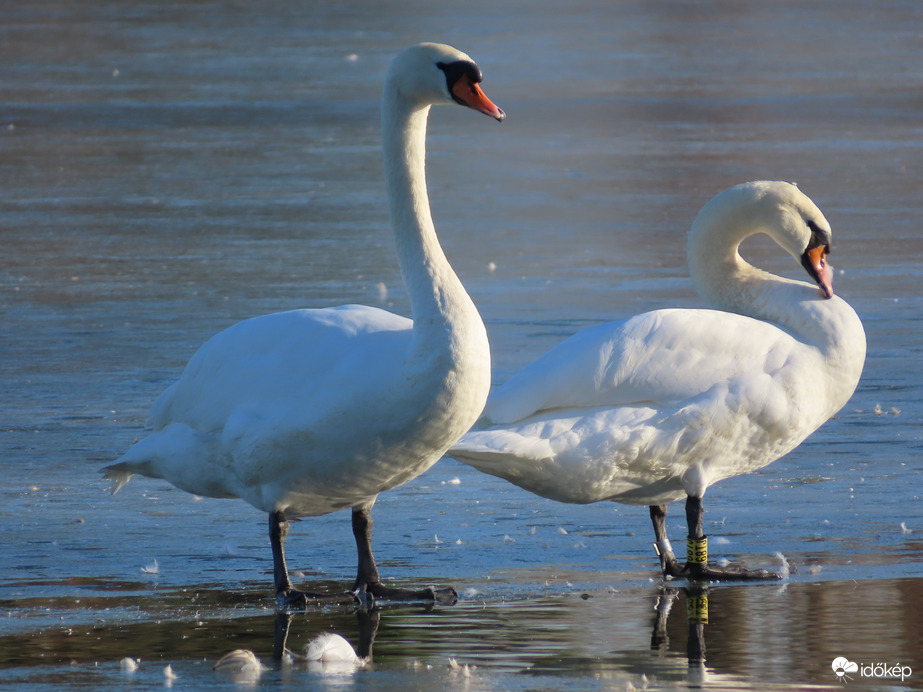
x,y
697,566
287,597
368,581
668,564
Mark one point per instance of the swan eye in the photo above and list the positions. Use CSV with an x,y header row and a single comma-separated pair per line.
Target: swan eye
x,y
818,237
458,69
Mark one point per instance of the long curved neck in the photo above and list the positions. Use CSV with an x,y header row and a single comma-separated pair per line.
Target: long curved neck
x,y
728,282
440,306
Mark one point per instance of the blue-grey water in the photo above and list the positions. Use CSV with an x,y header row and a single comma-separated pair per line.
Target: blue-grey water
x,y
169,168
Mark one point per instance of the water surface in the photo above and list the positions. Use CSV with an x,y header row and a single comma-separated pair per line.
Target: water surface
x,y
171,168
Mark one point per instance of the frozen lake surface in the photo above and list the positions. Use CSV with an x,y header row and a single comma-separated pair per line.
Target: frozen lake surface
x,y
171,168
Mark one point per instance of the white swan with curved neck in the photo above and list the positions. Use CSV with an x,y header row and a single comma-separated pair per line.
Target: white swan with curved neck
x,y
664,404
306,412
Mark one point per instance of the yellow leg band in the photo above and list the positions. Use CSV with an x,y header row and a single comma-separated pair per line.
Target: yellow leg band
x,y
697,608
697,550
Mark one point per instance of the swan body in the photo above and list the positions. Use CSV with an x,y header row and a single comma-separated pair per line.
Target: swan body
x,y
260,410
666,403
306,412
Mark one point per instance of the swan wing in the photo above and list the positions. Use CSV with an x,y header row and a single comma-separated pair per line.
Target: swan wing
x,y
622,411
658,358
258,411
301,359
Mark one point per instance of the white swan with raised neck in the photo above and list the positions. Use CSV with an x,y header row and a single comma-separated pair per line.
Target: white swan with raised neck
x,y
306,412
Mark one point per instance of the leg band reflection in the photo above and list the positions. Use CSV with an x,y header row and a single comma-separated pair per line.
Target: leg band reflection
x,y
697,608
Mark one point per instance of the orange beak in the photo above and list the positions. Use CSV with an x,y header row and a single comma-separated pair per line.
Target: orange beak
x,y
815,261
470,94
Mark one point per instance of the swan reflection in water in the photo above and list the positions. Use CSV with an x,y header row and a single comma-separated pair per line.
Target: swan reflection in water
x,y
328,653
697,618
340,656
331,654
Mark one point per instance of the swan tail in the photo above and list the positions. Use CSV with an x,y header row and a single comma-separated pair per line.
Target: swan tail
x,y
141,458
495,450
118,475
181,456
528,462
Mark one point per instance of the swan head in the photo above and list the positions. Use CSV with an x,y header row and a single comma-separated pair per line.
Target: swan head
x,y
433,73
776,208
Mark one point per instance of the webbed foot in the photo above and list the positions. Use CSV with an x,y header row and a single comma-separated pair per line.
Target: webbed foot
x,y
291,599
387,593
703,571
